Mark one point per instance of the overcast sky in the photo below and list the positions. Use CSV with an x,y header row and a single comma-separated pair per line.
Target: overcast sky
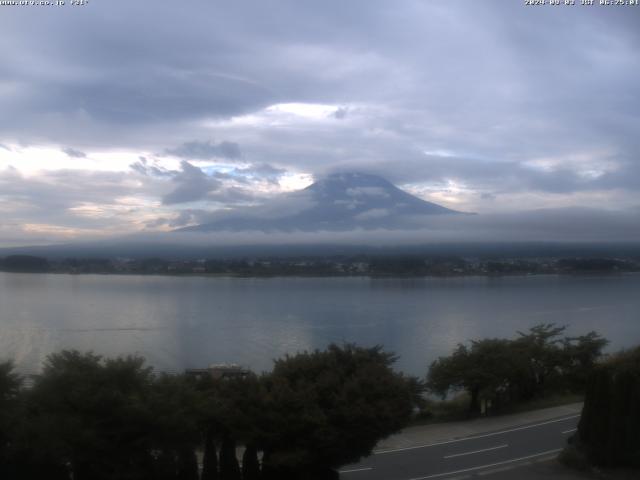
x,y
122,116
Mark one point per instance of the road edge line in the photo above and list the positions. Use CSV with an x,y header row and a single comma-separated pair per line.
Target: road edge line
x,y
484,435
471,469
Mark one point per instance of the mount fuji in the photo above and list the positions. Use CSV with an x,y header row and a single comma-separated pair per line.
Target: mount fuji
x,y
339,202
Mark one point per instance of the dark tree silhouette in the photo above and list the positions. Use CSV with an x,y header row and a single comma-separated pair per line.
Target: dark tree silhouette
x,y
187,464
483,370
91,414
609,428
88,417
229,467
505,371
9,423
328,408
210,458
250,464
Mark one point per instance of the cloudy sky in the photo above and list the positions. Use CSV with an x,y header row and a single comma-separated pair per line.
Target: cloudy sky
x,y
119,116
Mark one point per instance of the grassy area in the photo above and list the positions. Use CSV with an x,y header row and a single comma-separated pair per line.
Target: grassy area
x,y
554,400
457,408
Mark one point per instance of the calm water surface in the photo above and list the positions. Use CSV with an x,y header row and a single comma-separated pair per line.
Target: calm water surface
x,y
178,322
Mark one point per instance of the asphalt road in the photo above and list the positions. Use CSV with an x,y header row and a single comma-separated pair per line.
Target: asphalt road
x,y
480,454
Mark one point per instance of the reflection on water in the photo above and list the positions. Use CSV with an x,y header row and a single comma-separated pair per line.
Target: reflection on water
x,y
179,322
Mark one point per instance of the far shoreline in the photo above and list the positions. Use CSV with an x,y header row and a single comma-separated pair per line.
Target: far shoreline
x,y
324,276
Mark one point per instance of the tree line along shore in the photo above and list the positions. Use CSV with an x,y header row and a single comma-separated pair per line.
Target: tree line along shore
x,y
356,265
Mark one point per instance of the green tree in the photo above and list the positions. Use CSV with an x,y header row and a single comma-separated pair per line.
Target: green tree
x,y
92,415
609,428
209,457
187,464
484,371
232,412
504,371
229,467
539,359
581,355
176,408
250,463
10,383
327,408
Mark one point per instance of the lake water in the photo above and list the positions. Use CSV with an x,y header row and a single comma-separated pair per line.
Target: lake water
x,y
178,322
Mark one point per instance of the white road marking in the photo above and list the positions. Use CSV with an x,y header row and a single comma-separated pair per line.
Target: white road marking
x,y
488,466
356,470
381,452
497,470
476,451
570,431
543,459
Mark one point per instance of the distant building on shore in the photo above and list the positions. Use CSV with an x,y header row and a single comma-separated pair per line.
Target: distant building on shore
x,y
219,371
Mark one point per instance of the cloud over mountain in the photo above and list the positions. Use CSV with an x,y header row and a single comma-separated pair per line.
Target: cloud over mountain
x,y
339,202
